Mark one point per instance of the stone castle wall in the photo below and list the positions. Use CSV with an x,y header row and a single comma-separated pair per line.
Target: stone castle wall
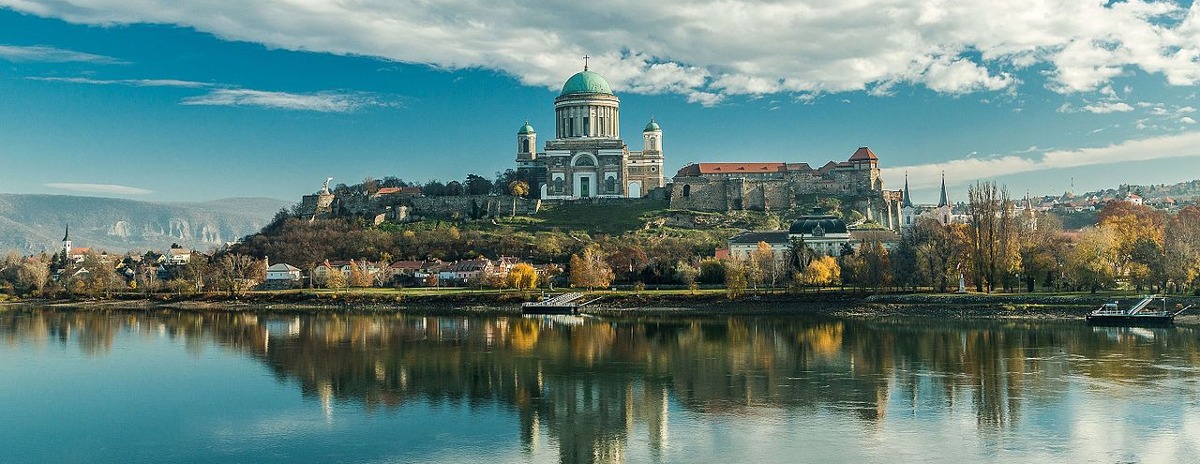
x,y
726,194
402,208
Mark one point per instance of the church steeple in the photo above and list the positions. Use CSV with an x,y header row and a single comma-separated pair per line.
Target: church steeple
x,y
907,195
66,242
943,201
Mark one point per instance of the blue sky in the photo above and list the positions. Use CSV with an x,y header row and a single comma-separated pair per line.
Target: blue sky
x,y
190,100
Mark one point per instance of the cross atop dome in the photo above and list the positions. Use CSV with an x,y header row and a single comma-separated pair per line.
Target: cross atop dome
x,y
585,62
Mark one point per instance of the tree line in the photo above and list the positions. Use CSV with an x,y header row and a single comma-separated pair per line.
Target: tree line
x,y
1001,247
473,184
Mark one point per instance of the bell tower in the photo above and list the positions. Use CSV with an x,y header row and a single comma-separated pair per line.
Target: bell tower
x,y
526,143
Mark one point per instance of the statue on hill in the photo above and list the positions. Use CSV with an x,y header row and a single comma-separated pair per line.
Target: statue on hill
x,y
325,186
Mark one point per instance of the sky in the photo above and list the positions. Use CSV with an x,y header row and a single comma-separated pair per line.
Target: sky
x,y
194,100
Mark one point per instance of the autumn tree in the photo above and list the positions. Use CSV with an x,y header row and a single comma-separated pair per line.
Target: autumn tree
x,y
735,279
360,274
588,270
518,189
21,275
993,233
686,274
102,278
1181,249
761,266
869,267
1042,249
334,279
522,276
1139,234
237,273
1092,263
627,260
823,271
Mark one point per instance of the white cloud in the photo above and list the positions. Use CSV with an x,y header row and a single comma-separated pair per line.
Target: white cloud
x,y
132,82
222,95
961,76
109,189
1187,120
1107,107
51,55
710,49
967,170
327,102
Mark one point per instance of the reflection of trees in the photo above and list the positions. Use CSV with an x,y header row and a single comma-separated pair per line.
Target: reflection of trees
x,y
586,382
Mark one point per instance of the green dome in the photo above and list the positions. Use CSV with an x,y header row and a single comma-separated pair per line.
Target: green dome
x,y
586,82
526,129
653,126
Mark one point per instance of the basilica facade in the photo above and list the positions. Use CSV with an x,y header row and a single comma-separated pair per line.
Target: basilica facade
x,y
587,157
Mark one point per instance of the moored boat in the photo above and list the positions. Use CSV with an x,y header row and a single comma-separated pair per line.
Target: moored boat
x,y
1140,314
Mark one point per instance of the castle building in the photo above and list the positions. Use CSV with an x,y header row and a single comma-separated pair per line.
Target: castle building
x,y
780,186
587,157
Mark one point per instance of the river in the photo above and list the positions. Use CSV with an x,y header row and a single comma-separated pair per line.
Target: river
x,y
167,386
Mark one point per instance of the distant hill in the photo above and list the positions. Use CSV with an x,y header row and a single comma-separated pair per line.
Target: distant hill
x,y
32,223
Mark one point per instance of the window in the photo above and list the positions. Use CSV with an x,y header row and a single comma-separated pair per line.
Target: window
x,y
687,191
587,126
525,146
653,143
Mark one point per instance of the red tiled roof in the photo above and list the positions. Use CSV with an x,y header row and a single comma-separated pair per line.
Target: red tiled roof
x,y
731,168
863,154
399,190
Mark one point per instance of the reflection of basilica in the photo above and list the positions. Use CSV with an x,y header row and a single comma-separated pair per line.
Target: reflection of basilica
x,y
591,387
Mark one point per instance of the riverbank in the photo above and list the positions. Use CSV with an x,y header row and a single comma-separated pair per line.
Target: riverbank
x,y
631,303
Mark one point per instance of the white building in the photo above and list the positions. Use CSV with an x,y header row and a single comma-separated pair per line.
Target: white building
x,y
822,233
283,272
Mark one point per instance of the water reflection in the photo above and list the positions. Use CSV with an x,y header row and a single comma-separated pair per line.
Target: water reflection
x,y
594,385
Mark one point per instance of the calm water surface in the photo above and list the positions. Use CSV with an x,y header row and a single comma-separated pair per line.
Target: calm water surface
x,y
191,387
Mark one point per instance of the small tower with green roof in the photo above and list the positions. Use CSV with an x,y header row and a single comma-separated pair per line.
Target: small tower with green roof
x,y
526,143
652,139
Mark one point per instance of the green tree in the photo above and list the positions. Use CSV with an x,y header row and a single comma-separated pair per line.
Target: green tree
x,y
712,271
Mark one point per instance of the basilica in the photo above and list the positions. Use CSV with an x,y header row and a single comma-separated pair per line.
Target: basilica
x,y
587,157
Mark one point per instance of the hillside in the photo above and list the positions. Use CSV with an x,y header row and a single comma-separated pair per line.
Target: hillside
x,y
33,223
